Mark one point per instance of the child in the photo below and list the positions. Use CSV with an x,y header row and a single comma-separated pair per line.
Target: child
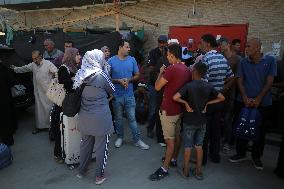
x,y
142,103
197,94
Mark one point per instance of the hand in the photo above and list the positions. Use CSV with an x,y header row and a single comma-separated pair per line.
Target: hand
x,y
124,83
205,109
162,69
256,102
188,108
248,101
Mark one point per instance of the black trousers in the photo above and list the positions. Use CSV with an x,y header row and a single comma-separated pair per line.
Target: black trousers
x,y
212,139
55,123
159,130
258,145
280,164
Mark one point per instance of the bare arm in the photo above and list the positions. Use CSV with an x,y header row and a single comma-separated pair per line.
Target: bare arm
x,y
247,101
219,98
161,81
177,98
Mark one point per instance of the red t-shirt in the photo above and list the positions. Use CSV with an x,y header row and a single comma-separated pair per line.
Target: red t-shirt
x,y
177,76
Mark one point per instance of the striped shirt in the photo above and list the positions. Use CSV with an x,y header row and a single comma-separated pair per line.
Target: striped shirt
x,y
218,69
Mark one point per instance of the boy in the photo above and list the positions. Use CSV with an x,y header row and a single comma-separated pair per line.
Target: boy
x,y
198,95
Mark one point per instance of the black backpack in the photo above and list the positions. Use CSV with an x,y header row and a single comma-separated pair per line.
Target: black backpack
x,y
72,101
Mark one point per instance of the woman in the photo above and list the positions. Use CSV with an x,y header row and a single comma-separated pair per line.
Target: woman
x,y
66,72
94,118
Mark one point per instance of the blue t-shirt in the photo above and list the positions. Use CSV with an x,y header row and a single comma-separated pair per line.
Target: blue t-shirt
x,y
254,77
123,69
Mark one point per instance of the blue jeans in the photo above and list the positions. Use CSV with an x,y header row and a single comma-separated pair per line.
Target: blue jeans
x,y
125,104
193,135
152,107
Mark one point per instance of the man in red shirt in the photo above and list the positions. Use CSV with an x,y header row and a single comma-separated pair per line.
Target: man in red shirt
x,y
172,79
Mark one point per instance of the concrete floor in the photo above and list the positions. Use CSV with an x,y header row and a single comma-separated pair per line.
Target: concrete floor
x,y
128,167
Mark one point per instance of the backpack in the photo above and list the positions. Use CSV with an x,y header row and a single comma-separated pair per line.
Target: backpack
x,y
6,157
248,124
72,101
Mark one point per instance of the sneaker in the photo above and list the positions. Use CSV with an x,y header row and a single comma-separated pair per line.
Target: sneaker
x,y
226,148
79,175
158,175
237,158
118,142
100,180
173,162
142,145
162,144
257,164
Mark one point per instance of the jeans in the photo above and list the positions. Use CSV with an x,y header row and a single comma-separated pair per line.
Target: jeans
x,y
193,135
125,104
152,107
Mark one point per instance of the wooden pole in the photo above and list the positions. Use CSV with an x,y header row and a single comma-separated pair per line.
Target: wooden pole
x,y
117,15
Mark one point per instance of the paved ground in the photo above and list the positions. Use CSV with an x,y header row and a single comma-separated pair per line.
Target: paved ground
x,y
128,167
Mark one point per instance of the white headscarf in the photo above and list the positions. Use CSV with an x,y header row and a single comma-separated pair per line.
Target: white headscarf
x,y
93,62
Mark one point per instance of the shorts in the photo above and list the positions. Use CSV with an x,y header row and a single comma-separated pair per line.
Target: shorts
x,y
170,125
193,135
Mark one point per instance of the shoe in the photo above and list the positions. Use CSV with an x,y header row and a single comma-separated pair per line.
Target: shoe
x,y
118,142
100,180
257,164
158,175
36,131
197,176
226,148
181,173
237,158
58,160
173,162
162,144
80,176
142,145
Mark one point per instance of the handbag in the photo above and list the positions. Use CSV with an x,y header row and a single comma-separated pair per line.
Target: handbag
x,y
248,124
72,101
56,92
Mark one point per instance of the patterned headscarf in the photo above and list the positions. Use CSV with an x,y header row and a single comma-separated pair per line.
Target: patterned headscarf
x,y
69,59
93,62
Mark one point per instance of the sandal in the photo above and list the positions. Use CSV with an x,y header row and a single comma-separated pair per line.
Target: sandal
x,y
181,173
197,176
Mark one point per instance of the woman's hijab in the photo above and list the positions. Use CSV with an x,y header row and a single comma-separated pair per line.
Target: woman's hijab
x,y
93,62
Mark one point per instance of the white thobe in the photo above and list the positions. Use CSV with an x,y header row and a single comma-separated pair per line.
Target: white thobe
x,y
42,75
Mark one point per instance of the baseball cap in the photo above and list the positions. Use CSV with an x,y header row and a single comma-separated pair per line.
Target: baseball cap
x,y
163,38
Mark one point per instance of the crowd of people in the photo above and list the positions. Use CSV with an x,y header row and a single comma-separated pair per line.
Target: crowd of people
x,y
193,105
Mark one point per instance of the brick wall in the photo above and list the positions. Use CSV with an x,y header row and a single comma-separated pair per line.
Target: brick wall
x,y
265,17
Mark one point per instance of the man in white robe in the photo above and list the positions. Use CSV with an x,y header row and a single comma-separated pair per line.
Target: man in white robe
x,y
43,71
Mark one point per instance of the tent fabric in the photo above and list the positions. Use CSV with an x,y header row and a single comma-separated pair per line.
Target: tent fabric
x,y
83,42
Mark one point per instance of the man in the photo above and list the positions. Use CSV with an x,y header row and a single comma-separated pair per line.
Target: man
x,y
218,73
124,71
229,91
154,68
43,71
236,47
51,53
172,79
58,60
255,78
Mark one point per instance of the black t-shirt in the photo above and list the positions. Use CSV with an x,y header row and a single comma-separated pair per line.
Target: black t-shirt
x,y
197,93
